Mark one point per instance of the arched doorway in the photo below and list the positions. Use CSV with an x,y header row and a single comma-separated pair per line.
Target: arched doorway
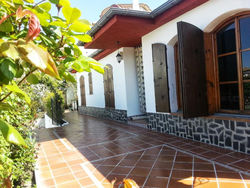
x,y
82,89
109,87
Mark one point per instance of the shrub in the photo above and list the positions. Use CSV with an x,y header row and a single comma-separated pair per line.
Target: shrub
x,y
54,105
17,161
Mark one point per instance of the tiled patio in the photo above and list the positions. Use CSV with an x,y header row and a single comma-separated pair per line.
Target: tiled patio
x,y
91,153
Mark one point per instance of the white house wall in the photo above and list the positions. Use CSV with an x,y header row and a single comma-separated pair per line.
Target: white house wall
x,y
205,17
97,98
133,104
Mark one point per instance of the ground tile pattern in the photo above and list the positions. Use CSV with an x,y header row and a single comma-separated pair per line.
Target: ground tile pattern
x,y
91,153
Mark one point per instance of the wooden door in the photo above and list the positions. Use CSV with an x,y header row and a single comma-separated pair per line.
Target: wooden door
x,y
193,70
109,87
159,52
82,88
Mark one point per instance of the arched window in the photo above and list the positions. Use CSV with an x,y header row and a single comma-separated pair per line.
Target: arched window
x,y
233,64
82,89
109,87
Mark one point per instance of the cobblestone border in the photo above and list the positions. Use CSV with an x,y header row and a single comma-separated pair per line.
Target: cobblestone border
x,y
229,134
105,113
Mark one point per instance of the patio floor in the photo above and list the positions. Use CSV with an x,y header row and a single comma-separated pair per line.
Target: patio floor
x,y
91,152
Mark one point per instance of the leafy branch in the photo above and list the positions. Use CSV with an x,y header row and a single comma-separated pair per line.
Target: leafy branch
x,y
19,83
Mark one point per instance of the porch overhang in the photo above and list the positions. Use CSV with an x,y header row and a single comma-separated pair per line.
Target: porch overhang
x,y
125,28
121,31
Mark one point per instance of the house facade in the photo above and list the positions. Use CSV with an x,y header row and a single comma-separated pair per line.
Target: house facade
x,y
185,68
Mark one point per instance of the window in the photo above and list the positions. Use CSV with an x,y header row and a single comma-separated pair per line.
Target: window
x,y
233,63
90,84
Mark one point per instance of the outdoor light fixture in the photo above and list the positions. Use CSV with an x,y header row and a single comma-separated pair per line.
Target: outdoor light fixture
x,y
119,57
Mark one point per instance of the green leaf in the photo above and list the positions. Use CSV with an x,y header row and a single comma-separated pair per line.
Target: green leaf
x,y
59,23
92,63
54,1
8,49
85,22
33,79
71,14
68,77
79,27
67,50
6,27
11,134
80,67
84,38
29,1
47,41
97,68
21,34
8,68
20,71
14,88
85,63
18,2
5,106
38,57
64,3
45,6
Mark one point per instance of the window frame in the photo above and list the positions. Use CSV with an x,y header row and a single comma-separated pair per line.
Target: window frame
x,y
233,19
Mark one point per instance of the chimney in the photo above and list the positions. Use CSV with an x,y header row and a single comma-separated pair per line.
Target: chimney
x,y
136,5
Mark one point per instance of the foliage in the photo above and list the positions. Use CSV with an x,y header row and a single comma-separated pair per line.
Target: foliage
x,y
15,160
54,105
32,39
33,43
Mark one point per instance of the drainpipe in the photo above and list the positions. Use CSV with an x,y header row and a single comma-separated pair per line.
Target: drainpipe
x,y
136,5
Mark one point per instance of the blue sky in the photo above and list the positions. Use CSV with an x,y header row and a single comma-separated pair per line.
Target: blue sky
x,y
91,9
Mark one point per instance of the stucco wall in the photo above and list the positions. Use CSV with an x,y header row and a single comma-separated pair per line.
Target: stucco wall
x,y
133,105
97,98
206,17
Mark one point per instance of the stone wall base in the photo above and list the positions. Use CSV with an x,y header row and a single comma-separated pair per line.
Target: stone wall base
x,y
229,134
105,113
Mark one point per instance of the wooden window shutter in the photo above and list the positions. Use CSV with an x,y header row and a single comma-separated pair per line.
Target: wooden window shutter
x,y
193,70
82,87
210,73
90,84
159,53
109,87
105,80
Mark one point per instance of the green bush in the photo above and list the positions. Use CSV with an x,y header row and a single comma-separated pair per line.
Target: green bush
x,y
17,161
54,105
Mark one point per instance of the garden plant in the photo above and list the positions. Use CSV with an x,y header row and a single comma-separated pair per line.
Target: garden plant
x,y
33,43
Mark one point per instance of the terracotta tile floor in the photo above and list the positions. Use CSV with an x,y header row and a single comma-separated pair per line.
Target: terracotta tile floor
x,y
91,153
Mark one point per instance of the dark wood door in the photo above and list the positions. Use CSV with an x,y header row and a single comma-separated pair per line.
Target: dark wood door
x,y
159,52
83,95
193,70
109,87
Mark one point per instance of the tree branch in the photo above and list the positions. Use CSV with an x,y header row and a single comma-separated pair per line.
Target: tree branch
x,y
38,3
26,76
